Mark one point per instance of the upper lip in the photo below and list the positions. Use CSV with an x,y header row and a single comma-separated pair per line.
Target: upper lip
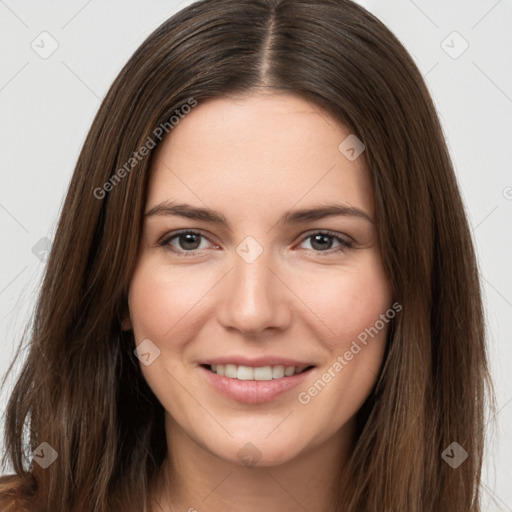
x,y
256,362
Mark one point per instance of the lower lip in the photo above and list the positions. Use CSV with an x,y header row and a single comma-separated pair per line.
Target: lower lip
x,y
253,391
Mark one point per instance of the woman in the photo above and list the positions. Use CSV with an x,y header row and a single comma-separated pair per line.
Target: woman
x,y
319,345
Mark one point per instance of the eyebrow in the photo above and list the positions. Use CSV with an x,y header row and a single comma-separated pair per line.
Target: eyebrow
x,y
289,217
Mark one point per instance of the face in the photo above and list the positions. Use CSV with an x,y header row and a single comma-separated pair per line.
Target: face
x,y
259,322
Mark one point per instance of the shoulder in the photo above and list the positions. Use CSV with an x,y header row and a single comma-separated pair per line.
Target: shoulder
x,y
13,494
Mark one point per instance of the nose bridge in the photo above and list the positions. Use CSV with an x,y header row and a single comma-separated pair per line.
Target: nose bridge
x,y
254,298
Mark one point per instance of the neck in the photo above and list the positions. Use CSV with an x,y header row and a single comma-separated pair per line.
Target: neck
x,y
195,479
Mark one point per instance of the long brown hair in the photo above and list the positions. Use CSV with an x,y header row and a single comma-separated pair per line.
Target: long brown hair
x,y
81,389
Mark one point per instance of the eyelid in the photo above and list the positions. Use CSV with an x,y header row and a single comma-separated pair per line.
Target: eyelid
x,y
344,240
341,236
164,241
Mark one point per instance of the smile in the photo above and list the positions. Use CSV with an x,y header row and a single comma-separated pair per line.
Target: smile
x,y
240,372
254,384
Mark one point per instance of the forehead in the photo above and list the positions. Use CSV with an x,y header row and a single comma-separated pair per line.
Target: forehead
x,y
256,154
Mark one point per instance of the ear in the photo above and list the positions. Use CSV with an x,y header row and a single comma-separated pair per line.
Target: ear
x,y
126,323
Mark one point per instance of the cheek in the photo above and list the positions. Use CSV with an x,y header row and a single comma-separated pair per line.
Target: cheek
x,y
347,301
164,306
353,306
355,309
161,297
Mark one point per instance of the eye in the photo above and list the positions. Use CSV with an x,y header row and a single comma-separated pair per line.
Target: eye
x,y
322,241
188,243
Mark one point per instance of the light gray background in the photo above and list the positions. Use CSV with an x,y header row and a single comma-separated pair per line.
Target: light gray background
x,y
47,106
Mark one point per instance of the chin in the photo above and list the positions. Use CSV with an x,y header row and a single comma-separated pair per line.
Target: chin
x,y
254,451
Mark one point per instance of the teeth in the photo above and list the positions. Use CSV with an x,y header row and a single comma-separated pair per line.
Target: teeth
x,y
289,371
277,372
245,373
232,371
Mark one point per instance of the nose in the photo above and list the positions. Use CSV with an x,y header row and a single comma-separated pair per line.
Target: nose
x,y
254,297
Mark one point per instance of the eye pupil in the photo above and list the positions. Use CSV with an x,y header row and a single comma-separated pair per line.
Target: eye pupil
x,y
322,239
190,238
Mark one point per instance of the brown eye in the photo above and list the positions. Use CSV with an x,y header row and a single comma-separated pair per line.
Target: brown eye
x,y
184,242
323,241
188,241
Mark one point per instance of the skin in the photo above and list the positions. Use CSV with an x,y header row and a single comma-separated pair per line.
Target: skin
x,y
251,159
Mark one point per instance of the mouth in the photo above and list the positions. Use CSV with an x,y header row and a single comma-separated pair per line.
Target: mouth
x,y
255,384
259,373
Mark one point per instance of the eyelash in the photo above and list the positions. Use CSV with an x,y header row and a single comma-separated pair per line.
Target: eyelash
x,y
344,244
